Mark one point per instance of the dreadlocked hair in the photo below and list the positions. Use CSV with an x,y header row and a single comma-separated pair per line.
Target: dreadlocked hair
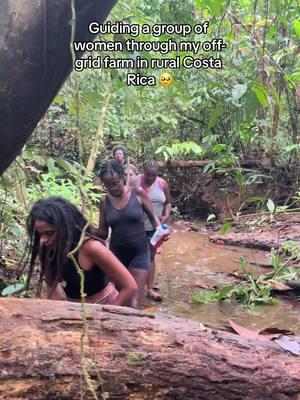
x,y
69,223
150,164
112,168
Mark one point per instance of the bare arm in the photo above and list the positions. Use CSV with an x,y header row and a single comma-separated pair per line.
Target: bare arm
x,y
103,226
147,206
101,256
167,206
53,293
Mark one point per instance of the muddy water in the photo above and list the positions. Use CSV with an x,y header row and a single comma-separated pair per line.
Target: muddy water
x,y
189,259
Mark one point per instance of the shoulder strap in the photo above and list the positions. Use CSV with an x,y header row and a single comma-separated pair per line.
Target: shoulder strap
x,y
160,183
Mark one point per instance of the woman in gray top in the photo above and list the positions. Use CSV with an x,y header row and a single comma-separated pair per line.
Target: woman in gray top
x,y
158,192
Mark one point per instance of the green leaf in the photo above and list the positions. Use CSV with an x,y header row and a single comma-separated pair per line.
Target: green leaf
x,y
261,94
224,292
238,91
12,289
51,167
215,6
296,24
239,178
290,244
218,148
225,228
250,106
215,116
271,206
58,100
204,296
211,217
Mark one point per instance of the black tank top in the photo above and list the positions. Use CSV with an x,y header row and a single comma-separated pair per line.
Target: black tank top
x,y
127,223
95,280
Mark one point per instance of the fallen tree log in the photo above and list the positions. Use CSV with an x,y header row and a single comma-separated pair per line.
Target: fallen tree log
x,y
202,163
137,356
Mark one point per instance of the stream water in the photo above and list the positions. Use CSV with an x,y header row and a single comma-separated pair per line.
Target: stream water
x,y
189,259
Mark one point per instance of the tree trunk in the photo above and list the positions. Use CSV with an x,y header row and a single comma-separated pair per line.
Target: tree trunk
x,y
35,60
98,140
133,355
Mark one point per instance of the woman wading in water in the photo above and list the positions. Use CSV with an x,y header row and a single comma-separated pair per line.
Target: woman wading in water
x,y
122,210
158,192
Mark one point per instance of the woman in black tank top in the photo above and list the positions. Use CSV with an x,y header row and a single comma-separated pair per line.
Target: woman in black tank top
x,y
122,210
55,227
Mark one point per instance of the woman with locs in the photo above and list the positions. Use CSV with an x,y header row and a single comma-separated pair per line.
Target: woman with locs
x,y
55,228
158,192
122,209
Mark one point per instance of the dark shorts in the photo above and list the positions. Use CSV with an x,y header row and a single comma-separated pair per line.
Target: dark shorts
x,y
133,257
150,234
152,249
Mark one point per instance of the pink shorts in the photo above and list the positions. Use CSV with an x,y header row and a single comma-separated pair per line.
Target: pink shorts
x,y
106,296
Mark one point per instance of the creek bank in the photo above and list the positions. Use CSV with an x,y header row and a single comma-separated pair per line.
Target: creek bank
x,y
225,191
262,232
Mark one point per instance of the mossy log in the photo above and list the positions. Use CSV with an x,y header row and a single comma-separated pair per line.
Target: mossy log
x,y
133,355
35,59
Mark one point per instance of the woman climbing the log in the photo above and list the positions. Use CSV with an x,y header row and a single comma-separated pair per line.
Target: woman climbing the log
x,y
55,228
122,209
158,192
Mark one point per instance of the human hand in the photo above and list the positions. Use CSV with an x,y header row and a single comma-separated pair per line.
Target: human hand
x,y
163,219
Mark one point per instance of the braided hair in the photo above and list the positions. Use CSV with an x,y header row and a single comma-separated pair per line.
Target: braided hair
x,y
111,169
150,164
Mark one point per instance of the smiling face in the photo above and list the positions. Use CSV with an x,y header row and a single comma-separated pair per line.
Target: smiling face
x,y
166,79
47,234
119,155
114,185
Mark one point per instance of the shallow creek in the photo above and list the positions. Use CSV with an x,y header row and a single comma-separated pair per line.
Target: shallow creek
x,y
188,259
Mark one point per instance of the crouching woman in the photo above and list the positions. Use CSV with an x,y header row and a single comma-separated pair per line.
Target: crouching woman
x,y
55,228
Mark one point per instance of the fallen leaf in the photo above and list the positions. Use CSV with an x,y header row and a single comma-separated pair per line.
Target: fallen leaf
x,y
248,333
150,310
278,285
202,285
289,344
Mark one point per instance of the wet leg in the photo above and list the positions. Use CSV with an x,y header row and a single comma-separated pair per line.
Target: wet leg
x,y
150,279
140,276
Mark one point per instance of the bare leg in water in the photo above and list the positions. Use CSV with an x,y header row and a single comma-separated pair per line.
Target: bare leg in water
x,y
150,279
140,276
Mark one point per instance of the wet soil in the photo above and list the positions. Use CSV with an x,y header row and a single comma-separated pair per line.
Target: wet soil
x,y
189,260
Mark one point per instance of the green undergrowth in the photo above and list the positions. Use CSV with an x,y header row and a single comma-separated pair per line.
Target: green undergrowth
x,y
256,289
